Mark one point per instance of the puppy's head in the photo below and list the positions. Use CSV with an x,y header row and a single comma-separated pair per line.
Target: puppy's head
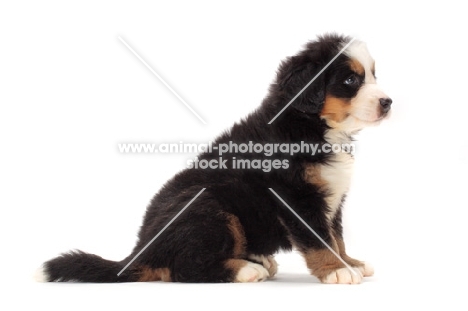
x,y
353,99
345,94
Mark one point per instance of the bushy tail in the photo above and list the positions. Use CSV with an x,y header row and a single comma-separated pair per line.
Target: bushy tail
x,y
78,266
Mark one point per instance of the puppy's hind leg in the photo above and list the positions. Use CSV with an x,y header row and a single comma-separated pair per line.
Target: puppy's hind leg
x,y
215,252
268,262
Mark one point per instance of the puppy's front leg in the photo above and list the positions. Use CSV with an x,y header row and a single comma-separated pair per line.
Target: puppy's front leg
x,y
337,233
328,268
365,268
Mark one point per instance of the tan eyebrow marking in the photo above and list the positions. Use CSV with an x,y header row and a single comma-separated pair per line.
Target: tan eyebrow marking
x,y
357,67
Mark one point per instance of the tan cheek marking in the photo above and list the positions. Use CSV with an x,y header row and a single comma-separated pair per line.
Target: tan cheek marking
x,y
159,274
336,109
237,232
357,67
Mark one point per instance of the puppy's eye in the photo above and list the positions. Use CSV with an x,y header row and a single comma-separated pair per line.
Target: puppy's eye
x,y
350,80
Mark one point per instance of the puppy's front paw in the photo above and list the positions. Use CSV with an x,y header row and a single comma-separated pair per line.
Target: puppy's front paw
x,y
343,276
366,269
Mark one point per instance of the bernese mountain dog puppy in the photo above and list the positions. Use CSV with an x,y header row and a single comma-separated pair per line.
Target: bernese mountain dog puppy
x,y
231,231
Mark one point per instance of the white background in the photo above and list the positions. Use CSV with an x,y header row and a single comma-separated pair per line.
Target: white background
x,y
70,91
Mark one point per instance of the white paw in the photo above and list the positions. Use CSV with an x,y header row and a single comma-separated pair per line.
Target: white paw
x,y
252,272
268,262
366,269
343,276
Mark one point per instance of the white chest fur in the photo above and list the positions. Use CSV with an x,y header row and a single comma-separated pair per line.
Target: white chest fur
x,y
336,175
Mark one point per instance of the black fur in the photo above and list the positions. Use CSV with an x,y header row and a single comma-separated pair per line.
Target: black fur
x,y
196,246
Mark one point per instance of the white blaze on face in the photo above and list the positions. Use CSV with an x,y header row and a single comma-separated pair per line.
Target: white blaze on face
x,y
358,51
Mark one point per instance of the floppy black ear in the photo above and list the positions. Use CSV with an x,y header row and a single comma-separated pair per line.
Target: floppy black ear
x,y
313,98
294,74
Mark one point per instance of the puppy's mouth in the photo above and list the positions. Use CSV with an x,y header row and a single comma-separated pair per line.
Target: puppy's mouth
x,y
376,120
384,115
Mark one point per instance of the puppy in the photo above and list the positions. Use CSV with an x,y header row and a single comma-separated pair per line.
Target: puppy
x,y
239,217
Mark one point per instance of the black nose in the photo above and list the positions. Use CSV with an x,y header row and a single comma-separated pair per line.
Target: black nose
x,y
385,103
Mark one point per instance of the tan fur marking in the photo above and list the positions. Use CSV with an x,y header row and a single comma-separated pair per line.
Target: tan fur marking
x,y
237,232
357,67
312,175
342,251
336,109
365,268
322,262
159,274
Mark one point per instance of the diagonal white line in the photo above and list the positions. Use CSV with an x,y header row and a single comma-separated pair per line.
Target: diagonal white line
x,y
315,233
313,79
161,79
157,235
